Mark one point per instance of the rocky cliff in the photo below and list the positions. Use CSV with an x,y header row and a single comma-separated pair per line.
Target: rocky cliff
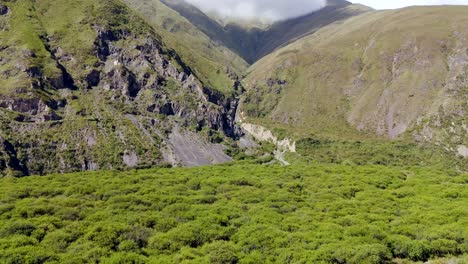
x,y
93,86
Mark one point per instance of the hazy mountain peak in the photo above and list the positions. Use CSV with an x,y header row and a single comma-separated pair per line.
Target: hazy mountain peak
x,y
258,10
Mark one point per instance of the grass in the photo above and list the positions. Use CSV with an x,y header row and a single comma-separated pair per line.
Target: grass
x,y
237,213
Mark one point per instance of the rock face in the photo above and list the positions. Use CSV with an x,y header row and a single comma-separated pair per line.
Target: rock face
x,y
262,134
110,105
9,161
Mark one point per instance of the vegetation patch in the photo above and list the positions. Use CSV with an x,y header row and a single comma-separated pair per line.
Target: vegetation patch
x,y
239,213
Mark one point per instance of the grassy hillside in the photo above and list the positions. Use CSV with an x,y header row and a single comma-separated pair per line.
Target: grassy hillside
x,y
237,214
394,74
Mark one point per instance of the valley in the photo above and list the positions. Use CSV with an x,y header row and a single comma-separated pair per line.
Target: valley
x,y
148,131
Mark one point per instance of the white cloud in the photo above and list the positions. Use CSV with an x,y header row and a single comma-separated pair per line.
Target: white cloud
x,y
390,4
259,9
283,9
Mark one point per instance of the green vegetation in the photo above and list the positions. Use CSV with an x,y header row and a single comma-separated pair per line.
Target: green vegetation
x,y
236,213
375,152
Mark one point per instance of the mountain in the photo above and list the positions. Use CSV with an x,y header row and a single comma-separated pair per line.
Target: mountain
x,y
397,74
120,84
96,85
253,41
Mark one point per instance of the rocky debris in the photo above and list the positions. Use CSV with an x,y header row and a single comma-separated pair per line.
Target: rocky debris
x,y
104,37
91,140
118,77
35,109
163,109
262,134
89,166
188,149
31,106
274,81
246,142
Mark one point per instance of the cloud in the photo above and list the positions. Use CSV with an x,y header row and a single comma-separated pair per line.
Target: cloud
x,y
378,4
259,9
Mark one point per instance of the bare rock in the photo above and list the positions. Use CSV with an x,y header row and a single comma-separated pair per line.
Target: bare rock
x,y
130,159
463,151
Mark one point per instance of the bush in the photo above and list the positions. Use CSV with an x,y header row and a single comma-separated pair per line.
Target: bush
x,y
236,213
404,247
221,252
18,228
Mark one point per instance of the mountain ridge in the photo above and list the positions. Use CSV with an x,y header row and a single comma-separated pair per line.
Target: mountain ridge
x,y
252,43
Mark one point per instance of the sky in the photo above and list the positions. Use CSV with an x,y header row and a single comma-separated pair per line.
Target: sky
x,y
274,10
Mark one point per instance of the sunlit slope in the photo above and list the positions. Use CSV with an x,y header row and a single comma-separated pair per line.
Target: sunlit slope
x,y
388,73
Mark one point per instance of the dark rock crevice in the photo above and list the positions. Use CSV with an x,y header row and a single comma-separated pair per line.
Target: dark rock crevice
x,y
65,80
4,10
10,159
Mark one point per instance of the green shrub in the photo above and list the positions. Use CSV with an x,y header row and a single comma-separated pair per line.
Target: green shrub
x,y
236,213
221,252
18,228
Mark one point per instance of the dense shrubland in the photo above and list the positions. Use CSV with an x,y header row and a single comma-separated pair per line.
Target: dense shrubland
x,y
236,214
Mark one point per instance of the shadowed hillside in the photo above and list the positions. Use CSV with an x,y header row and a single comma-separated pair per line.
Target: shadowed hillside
x,y
252,42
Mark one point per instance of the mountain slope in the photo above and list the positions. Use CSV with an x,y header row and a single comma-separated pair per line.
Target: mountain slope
x,y
215,64
91,85
396,74
254,42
